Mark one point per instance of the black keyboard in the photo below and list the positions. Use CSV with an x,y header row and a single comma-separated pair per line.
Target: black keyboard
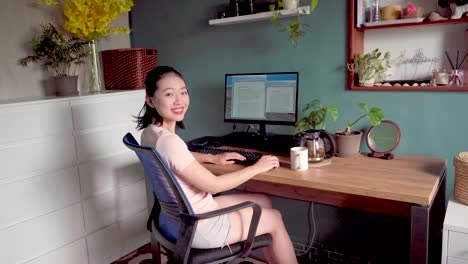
x,y
250,157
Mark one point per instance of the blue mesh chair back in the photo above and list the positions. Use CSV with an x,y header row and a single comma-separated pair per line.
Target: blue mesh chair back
x,y
163,183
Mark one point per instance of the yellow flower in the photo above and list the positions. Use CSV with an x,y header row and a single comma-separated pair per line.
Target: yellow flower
x,y
90,19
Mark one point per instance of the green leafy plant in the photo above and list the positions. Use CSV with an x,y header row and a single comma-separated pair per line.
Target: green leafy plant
x,y
370,65
374,114
56,52
316,119
295,27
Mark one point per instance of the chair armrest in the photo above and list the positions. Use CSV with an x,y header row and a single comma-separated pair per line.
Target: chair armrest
x,y
230,209
257,211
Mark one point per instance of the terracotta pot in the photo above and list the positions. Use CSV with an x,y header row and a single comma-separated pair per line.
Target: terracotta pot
x,y
66,85
347,146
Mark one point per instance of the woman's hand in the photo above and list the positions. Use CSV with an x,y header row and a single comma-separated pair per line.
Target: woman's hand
x,y
266,163
227,158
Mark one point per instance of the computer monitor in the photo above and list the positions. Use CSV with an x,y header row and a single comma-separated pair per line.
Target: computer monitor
x,y
261,98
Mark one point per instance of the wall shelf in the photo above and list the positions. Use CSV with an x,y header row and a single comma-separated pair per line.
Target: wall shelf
x,y
424,23
356,45
411,88
301,11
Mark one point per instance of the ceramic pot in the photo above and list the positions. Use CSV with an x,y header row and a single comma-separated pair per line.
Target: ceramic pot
x,y
362,82
66,85
290,4
347,146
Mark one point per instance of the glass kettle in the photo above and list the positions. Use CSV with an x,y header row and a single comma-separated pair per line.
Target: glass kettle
x,y
320,144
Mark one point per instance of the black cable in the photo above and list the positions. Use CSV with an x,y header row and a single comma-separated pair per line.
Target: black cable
x,y
309,224
310,238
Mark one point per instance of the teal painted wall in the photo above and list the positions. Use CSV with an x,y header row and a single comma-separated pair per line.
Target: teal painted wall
x,y
432,123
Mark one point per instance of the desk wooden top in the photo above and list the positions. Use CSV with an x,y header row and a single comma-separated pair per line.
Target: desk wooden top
x,y
409,179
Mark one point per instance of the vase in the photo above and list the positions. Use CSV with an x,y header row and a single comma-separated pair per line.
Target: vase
x,y
95,71
290,4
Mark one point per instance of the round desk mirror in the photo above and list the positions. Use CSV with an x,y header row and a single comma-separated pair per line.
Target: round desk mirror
x,y
382,139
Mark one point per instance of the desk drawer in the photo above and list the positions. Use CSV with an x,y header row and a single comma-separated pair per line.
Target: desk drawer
x,y
458,245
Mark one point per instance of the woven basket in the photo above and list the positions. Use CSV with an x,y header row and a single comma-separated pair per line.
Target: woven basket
x,y
127,68
460,161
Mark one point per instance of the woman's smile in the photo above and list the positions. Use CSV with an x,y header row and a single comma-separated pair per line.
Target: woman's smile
x,y
178,110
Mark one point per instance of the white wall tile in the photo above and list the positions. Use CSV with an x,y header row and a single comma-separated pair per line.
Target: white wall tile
x,y
45,154
32,238
102,143
35,196
119,239
74,253
106,208
35,121
102,175
108,111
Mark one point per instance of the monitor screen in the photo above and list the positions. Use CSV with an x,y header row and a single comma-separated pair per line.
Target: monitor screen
x,y
265,98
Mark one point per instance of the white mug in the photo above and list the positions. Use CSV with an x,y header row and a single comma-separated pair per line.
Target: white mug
x,y
299,158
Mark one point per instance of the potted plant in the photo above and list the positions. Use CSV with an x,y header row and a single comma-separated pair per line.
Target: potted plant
x,y
311,129
370,66
348,142
316,118
60,54
295,27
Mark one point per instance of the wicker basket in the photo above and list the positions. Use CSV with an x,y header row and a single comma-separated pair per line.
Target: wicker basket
x,y
127,68
460,161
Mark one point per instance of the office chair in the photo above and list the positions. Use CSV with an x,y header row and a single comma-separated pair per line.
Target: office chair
x,y
172,213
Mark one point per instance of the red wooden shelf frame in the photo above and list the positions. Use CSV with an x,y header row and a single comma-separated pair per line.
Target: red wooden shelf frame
x,y
412,24
411,88
356,45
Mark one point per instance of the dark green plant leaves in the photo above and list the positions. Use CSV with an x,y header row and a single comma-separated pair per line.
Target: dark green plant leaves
x,y
316,119
313,5
375,115
56,52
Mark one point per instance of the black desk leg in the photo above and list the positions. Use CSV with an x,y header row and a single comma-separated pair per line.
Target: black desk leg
x,y
419,235
426,229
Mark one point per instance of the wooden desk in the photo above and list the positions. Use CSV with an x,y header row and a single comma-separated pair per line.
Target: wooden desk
x,y
408,186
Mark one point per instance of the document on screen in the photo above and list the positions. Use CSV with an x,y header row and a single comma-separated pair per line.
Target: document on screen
x,y
248,100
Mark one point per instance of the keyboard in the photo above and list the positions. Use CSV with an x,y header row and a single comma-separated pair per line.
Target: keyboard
x,y
250,157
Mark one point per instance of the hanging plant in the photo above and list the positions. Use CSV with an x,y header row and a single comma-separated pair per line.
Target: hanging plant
x,y
295,27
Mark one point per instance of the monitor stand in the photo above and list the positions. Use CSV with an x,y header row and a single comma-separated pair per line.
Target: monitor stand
x,y
260,140
262,132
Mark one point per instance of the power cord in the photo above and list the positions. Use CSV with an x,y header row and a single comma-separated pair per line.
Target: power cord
x,y
310,216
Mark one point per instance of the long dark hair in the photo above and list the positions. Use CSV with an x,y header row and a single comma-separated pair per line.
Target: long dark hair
x,y
147,113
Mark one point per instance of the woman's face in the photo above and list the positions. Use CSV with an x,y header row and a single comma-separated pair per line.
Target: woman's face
x,y
170,99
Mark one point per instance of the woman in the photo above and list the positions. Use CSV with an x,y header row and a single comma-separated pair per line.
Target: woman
x,y
167,101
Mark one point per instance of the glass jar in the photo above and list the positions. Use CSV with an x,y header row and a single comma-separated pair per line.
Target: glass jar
x,y
456,78
440,77
374,11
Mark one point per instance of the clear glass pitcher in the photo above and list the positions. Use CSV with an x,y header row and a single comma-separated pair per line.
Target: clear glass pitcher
x,y
319,143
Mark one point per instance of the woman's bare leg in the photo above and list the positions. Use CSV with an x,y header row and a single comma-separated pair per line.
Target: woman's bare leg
x,y
281,251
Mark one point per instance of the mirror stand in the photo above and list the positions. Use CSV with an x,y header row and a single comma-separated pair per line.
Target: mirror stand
x,y
386,156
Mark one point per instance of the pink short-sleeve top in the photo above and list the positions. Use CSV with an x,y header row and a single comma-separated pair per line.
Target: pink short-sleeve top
x,y
174,150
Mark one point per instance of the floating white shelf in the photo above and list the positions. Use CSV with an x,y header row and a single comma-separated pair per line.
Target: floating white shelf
x,y
301,11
